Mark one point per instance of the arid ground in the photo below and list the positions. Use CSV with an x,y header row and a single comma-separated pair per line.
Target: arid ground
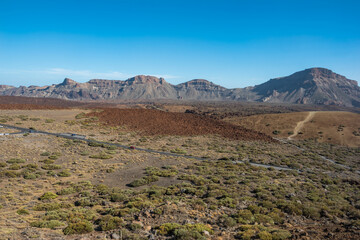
x,y
341,128
57,188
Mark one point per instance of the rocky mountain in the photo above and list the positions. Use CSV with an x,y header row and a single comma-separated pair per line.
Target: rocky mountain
x,y
200,89
318,86
311,86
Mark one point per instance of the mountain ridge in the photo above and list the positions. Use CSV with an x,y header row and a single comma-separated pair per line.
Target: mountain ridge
x,y
319,86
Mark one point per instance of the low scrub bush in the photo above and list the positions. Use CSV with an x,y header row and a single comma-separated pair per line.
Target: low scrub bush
x,y
52,224
80,227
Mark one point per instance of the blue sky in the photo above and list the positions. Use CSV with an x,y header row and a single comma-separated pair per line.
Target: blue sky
x,y
234,43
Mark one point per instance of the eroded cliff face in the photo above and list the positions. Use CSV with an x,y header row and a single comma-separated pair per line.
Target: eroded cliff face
x,y
311,86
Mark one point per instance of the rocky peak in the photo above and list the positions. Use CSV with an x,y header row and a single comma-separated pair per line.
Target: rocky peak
x,y
142,79
3,87
68,81
105,83
322,76
201,83
317,71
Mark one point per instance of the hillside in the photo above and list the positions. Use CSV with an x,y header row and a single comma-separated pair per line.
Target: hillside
x,y
340,128
312,86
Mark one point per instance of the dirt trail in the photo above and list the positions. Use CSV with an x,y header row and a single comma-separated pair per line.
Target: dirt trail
x,y
300,125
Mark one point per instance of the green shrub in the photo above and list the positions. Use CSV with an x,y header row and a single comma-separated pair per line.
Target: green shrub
x,y
161,173
119,212
2,164
143,181
168,228
16,160
118,197
263,219
134,226
22,211
80,115
102,155
264,235
80,227
48,161
31,166
79,213
248,234
46,206
227,221
108,222
49,120
11,174
185,234
245,217
95,144
66,191
51,167
86,202
64,173
110,147
48,195
276,132
174,229
29,175
45,154
53,157
15,166
84,153
280,234
311,212
178,151
102,189
58,214
47,224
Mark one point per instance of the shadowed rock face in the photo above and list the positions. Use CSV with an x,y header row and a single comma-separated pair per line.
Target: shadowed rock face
x,y
311,86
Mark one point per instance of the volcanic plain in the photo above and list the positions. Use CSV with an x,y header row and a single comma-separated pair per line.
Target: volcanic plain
x,y
228,176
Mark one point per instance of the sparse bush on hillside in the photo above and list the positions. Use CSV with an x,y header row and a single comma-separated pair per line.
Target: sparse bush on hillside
x,y
48,195
80,227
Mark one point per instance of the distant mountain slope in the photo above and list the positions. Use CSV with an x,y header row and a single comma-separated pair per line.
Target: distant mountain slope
x,y
311,86
200,89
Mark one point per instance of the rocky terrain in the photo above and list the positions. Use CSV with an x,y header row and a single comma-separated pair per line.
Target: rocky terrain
x,y
244,186
317,86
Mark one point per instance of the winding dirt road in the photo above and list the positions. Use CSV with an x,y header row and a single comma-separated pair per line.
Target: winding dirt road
x,y
300,125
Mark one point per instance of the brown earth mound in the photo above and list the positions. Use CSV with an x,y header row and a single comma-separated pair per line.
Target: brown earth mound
x,y
28,103
155,122
27,106
35,103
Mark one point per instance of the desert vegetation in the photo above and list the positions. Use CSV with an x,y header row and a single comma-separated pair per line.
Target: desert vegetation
x,y
51,187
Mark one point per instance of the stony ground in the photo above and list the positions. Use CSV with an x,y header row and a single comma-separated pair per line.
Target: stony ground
x,y
340,128
55,188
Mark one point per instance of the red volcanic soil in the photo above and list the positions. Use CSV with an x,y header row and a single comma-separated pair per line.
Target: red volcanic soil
x,y
155,122
26,107
14,102
28,103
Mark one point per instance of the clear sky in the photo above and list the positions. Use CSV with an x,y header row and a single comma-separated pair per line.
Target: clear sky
x,y
234,43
